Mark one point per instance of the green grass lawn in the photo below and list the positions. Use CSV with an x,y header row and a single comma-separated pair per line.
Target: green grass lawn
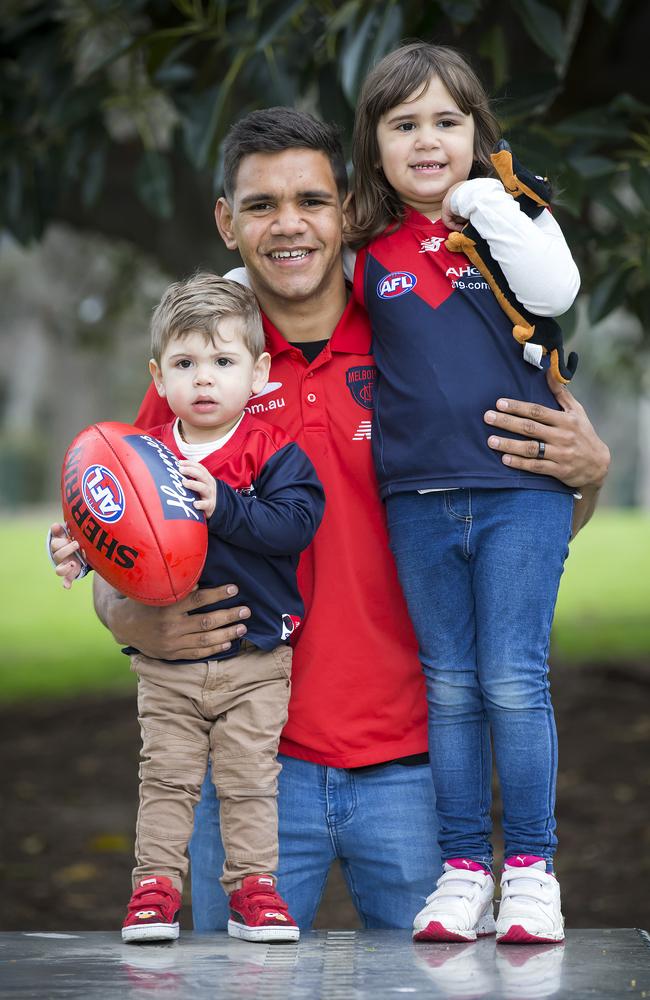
x,y
53,645
603,611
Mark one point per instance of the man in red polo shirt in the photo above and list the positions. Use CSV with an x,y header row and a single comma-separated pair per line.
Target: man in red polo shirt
x,y
355,784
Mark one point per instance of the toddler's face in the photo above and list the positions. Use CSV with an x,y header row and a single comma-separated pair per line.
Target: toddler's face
x,y
426,145
207,384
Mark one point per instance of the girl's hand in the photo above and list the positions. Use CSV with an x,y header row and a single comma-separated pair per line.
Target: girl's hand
x,y
196,477
63,551
452,221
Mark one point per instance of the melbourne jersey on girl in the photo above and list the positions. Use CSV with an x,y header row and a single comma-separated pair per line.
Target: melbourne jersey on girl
x,y
445,352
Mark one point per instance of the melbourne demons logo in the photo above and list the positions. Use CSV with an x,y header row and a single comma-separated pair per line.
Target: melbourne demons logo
x,y
396,284
289,625
360,380
103,494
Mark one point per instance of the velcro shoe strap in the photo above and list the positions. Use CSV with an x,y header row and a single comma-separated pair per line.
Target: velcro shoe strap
x,y
526,882
157,896
463,883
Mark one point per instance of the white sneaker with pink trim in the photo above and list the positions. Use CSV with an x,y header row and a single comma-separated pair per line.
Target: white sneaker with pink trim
x,y
460,908
530,910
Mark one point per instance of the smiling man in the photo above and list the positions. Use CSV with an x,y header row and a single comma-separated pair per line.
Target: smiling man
x,y
355,782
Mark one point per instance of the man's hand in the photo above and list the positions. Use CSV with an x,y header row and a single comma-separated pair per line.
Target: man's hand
x,y
196,477
573,452
64,553
171,633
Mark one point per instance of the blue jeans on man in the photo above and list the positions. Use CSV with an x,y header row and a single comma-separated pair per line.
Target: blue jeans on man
x,y
379,821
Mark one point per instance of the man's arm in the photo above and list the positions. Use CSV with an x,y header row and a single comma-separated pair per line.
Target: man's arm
x,y
171,633
165,633
573,451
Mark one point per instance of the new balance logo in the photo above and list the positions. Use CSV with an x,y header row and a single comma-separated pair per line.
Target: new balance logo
x,y
432,245
363,431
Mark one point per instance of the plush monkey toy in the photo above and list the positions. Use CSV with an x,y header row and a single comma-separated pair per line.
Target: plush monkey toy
x,y
540,335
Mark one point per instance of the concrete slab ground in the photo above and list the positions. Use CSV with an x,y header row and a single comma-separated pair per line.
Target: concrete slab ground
x,y
323,965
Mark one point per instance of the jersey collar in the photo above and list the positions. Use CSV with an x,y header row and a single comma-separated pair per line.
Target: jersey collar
x,y
351,334
415,220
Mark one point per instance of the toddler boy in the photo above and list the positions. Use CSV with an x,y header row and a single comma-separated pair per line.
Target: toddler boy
x,y
262,509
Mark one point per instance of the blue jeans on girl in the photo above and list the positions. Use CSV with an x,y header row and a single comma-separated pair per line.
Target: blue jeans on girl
x,y
480,570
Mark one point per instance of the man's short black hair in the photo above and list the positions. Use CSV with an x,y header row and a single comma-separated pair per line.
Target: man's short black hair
x,y
275,130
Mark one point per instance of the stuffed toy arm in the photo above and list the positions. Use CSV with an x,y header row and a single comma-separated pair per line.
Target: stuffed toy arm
x,y
532,253
539,334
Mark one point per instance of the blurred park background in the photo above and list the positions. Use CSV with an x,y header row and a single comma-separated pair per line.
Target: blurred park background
x,y
113,112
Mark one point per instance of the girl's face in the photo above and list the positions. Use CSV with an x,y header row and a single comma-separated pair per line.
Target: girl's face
x,y
426,144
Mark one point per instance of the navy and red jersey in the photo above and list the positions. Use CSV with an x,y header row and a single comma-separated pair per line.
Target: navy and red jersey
x,y
269,505
357,688
445,353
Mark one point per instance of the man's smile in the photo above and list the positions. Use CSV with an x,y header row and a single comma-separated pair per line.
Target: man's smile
x,y
290,254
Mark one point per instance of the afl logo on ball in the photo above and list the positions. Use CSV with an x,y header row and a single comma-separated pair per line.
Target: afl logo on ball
x,y
396,284
103,494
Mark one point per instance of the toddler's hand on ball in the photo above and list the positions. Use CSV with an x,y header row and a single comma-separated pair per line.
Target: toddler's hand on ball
x,y
63,551
196,477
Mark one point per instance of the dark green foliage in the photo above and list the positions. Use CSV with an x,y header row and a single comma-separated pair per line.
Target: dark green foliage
x,y
128,101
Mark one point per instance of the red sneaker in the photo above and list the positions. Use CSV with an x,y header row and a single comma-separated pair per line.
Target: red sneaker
x,y
152,913
259,913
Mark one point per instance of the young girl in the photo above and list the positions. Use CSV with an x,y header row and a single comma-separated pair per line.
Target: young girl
x,y
479,545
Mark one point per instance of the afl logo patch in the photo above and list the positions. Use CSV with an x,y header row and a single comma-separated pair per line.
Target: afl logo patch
x,y
396,284
360,380
103,494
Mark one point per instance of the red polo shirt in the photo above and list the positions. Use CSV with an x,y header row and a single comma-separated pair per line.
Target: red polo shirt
x,y
357,693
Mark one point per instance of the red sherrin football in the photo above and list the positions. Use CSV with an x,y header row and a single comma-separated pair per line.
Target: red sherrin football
x,y
124,502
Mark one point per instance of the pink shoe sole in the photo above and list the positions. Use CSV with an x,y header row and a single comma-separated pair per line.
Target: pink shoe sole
x,y
435,931
518,935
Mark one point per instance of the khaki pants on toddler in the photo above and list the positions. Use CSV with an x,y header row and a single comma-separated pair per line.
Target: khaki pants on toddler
x,y
231,711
